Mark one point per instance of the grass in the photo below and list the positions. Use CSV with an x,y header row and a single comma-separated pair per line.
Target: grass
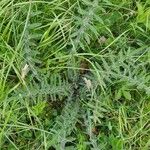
x,y
74,75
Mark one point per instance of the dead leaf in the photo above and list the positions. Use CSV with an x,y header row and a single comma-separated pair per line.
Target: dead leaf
x,y
88,83
95,131
24,71
102,40
84,66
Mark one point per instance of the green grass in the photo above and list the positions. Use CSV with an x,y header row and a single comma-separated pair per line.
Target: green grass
x,y
74,75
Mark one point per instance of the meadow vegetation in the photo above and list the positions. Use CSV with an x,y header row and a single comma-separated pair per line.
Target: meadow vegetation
x,y
74,74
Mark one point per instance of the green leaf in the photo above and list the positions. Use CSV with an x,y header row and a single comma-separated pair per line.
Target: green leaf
x,y
38,108
140,8
118,94
116,143
127,95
